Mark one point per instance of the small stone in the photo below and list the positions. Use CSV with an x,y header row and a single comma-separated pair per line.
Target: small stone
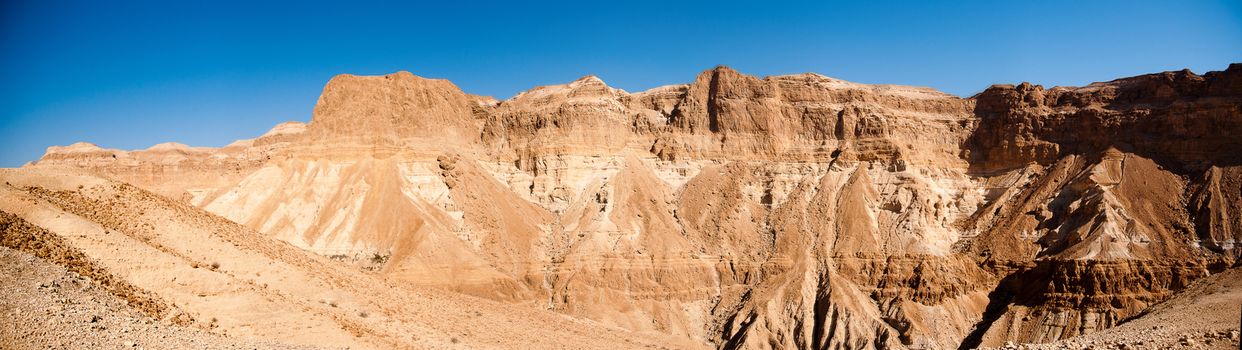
x,y
129,344
1187,341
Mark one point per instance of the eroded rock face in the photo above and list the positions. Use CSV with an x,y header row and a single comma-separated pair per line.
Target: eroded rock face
x,y
809,116
395,109
793,211
1106,188
1181,119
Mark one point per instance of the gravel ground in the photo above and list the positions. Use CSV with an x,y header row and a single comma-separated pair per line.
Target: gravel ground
x,y
44,306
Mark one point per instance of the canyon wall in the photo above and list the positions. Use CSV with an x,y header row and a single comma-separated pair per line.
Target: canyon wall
x,y
794,211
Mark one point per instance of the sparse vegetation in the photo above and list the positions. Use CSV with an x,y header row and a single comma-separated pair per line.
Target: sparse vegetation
x,y
378,258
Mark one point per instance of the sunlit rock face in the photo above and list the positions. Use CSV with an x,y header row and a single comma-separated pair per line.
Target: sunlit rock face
x,y
794,211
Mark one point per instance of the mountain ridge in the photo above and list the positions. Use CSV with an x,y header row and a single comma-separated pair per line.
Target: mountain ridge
x,y
794,211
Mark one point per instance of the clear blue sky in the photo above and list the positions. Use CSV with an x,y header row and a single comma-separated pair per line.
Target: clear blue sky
x,y
130,74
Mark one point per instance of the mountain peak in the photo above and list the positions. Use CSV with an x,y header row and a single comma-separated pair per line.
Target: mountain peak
x,y
391,107
76,147
589,79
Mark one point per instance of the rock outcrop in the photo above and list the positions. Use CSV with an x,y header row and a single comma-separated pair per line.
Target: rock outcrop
x,y
393,110
793,211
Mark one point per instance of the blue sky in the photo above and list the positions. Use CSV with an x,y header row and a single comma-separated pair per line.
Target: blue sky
x,y
130,74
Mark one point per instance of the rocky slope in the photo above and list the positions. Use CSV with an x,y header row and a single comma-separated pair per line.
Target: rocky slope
x,y
179,266
72,311
1204,316
793,211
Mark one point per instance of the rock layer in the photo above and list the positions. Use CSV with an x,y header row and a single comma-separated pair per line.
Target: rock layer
x,y
793,211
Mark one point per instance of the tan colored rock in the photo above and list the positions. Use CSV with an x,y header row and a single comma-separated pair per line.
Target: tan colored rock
x,y
392,109
174,262
795,211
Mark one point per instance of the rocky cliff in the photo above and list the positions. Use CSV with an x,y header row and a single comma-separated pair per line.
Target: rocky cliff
x,y
793,211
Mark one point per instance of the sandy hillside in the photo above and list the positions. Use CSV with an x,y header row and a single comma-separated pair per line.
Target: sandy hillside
x,y
44,305
179,267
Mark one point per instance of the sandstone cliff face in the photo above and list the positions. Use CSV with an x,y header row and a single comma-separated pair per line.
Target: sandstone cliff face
x,y
1106,189
392,110
810,116
793,211
1152,115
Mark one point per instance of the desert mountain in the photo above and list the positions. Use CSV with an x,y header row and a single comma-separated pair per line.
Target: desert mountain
x,y
795,211
172,262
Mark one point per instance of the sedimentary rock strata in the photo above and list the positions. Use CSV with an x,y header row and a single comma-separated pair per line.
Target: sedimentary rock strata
x,y
795,211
